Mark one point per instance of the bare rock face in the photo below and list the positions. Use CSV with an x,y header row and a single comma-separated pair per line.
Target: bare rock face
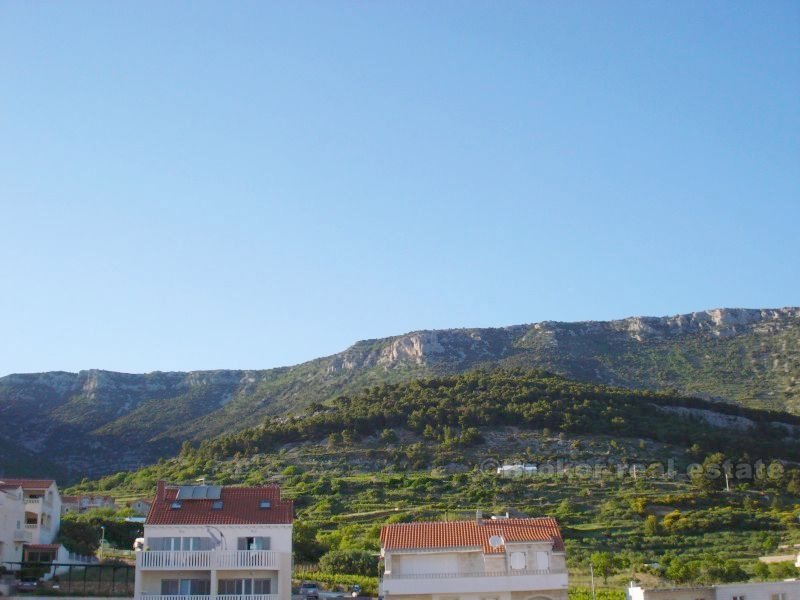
x,y
414,347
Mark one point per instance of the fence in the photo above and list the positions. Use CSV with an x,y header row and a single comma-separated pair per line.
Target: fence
x,y
76,579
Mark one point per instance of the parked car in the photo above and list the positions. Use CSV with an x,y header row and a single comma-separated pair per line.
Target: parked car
x,y
27,584
309,590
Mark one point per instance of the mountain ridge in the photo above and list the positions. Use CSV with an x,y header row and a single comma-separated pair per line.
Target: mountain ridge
x,y
746,356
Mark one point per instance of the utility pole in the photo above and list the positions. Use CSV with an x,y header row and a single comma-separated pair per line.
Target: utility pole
x,y
102,540
591,572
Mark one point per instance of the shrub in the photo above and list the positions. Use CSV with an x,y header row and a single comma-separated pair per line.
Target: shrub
x,y
351,562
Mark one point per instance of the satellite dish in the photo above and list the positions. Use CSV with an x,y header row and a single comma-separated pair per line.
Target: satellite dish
x,y
496,541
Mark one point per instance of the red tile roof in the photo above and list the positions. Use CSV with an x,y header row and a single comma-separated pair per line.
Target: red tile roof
x,y
240,506
28,484
464,534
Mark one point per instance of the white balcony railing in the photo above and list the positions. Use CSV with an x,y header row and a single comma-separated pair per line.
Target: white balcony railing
x,y
21,535
207,559
174,597
217,597
246,559
159,559
31,526
33,500
508,573
246,597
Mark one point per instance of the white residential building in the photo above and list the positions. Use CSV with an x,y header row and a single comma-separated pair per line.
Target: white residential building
x,y
760,590
481,559
12,525
219,543
72,504
42,507
140,506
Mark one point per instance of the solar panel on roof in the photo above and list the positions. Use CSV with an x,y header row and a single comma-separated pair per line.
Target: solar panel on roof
x,y
199,492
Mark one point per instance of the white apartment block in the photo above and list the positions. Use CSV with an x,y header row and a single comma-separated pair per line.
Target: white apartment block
x,y
216,543
761,590
42,503
481,559
12,520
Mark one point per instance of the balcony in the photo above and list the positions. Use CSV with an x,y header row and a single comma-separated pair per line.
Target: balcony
x,y
173,560
207,559
217,597
259,559
483,582
22,535
31,526
174,597
246,597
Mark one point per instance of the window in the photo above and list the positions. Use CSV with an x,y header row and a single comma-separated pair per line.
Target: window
x,y
41,556
779,596
265,504
216,505
738,598
176,505
196,543
240,587
237,587
175,544
185,587
253,543
164,543
518,561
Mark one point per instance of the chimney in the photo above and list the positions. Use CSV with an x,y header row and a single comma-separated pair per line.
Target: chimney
x,y
479,516
160,486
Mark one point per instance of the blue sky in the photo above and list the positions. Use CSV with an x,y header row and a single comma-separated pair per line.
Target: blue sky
x,y
190,185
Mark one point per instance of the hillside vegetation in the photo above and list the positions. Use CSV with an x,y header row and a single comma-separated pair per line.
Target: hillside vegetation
x,y
430,449
98,422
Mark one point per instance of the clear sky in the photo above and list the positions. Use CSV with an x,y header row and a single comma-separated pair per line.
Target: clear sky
x,y
189,185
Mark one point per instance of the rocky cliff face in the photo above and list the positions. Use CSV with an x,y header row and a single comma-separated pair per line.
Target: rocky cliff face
x,y
97,421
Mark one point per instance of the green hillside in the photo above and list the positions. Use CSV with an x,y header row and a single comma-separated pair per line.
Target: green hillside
x,y
430,448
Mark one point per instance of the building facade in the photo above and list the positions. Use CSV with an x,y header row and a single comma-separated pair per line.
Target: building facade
x,y
13,533
140,506
483,559
221,543
42,507
761,590
72,504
